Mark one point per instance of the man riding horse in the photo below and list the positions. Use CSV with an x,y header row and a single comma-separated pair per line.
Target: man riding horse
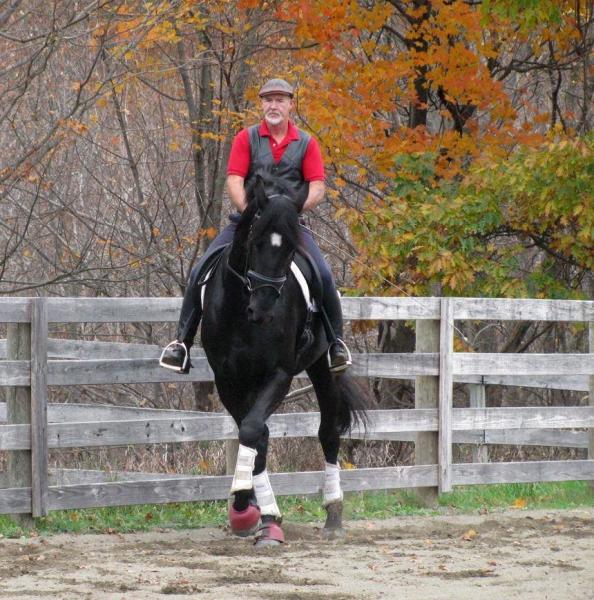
x,y
275,145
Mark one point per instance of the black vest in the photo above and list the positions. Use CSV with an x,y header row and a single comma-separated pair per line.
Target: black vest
x,y
289,168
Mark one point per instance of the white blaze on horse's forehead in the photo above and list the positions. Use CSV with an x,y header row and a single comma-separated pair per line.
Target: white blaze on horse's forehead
x,y
276,239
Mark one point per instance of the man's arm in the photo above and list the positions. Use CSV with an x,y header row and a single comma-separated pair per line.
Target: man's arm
x,y
236,191
315,196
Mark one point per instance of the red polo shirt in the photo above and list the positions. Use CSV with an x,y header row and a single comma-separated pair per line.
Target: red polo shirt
x,y
239,158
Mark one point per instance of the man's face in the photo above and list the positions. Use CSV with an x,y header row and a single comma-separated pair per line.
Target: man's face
x,y
276,108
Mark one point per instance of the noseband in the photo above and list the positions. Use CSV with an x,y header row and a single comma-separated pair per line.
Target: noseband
x,y
256,281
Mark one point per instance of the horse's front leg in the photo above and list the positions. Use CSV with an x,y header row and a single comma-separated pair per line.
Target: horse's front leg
x,y
251,478
244,512
249,502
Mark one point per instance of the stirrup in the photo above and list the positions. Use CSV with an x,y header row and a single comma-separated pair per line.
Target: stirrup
x,y
186,357
349,360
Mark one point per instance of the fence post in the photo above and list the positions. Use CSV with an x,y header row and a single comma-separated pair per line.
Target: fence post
x,y
231,450
18,411
477,397
591,398
426,396
39,451
446,394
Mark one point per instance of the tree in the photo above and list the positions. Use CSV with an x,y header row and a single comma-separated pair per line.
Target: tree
x,y
44,99
521,226
411,100
413,92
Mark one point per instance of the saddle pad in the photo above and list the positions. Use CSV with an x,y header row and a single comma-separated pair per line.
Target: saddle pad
x,y
309,301
203,290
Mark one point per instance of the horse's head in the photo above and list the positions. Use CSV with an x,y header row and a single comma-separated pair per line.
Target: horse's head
x,y
272,241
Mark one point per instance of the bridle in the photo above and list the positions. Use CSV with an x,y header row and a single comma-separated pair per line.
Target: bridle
x,y
253,280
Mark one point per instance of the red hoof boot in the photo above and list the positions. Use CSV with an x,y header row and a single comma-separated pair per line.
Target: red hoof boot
x,y
244,522
270,534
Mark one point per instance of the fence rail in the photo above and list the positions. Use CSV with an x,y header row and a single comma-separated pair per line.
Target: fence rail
x,y
30,362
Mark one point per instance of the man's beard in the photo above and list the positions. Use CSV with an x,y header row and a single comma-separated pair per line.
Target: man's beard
x,y
273,120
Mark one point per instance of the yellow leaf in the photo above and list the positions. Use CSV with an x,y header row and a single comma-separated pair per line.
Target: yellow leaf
x,y
469,535
209,233
208,135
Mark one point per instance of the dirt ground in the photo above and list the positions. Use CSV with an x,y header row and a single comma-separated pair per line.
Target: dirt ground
x,y
524,555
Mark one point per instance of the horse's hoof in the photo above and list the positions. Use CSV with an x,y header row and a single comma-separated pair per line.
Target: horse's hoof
x,y
270,533
333,533
333,516
260,543
244,522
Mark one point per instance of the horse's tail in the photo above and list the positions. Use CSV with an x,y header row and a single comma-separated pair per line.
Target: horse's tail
x,y
354,401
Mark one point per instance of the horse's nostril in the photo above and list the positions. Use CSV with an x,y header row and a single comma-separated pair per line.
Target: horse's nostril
x,y
257,316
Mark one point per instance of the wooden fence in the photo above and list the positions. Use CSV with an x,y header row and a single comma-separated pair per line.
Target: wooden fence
x,y
30,362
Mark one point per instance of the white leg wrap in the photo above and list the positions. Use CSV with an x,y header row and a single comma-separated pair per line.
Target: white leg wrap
x,y
265,495
243,478
332,489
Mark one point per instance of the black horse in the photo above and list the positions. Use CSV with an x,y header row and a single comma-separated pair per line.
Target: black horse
x,y
258,333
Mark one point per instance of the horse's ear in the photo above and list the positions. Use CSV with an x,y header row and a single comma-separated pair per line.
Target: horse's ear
x,y
260,196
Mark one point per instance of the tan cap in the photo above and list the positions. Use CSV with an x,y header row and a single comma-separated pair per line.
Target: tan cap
x,y
276,86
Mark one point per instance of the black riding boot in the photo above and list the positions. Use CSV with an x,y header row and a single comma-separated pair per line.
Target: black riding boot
x,y
339,357
176,355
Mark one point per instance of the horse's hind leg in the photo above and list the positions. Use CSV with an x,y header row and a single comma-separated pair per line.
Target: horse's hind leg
x,y
328,396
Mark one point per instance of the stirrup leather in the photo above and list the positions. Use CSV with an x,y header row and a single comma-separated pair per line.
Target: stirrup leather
x,y
186,357
349,360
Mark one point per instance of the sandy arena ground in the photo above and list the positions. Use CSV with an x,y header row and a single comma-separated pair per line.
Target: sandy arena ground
x,y
513,555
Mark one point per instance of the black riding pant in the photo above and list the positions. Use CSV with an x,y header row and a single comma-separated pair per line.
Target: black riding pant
x,y
191,311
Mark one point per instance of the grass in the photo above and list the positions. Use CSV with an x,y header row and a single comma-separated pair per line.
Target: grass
x,y
567,494
364,505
